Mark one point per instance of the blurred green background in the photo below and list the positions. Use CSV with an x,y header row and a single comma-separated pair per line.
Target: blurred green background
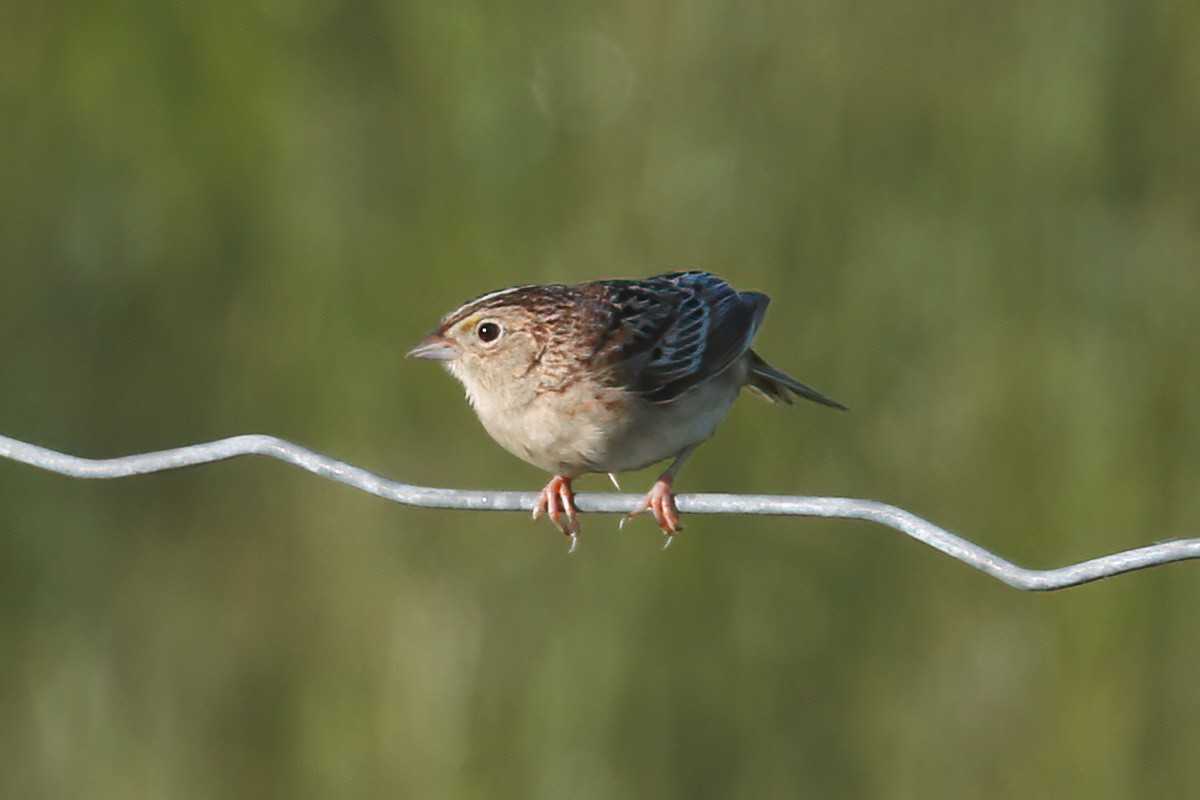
x,y
979,222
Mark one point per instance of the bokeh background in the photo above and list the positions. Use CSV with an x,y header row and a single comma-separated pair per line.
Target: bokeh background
x,y
979,222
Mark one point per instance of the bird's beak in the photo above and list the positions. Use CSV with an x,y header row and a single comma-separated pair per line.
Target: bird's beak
x,y
435,348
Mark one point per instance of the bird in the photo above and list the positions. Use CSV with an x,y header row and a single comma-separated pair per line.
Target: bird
x,y
609,376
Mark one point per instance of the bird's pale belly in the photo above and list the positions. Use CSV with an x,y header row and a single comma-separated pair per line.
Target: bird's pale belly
x,y
573,432
661,430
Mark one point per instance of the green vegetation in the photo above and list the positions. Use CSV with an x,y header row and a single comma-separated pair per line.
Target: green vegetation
x,y
980,226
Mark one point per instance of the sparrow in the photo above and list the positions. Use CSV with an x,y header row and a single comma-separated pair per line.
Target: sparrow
x,y
609,376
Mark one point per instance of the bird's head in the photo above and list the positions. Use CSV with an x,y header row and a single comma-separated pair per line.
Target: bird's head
x,y
490,344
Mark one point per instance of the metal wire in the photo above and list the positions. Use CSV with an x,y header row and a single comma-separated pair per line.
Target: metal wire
x,y
484,500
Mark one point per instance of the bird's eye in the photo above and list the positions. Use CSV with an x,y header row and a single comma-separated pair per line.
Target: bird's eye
x,y
488,331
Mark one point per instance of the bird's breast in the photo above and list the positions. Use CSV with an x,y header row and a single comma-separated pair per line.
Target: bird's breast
x,y
588,427
563,432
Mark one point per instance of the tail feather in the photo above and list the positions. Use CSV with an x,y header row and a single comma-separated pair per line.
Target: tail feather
x,y
779,388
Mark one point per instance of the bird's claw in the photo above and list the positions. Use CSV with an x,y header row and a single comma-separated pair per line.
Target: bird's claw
x,y
660,502
557,501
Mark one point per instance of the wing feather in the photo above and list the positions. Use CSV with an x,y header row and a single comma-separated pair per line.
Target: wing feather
x,y
672,332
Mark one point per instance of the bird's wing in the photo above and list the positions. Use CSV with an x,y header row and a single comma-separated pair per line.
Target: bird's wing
x,y
672,332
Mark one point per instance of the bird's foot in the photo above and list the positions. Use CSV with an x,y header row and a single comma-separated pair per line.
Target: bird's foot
x,y
558,503
661,502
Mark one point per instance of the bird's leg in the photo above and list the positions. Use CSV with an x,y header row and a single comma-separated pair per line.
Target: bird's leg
x,y
661,501
558,502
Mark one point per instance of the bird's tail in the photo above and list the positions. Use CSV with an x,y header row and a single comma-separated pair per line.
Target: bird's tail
x,y
779,388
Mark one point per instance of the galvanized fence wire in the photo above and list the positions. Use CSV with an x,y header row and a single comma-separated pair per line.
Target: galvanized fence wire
x,y
485,500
